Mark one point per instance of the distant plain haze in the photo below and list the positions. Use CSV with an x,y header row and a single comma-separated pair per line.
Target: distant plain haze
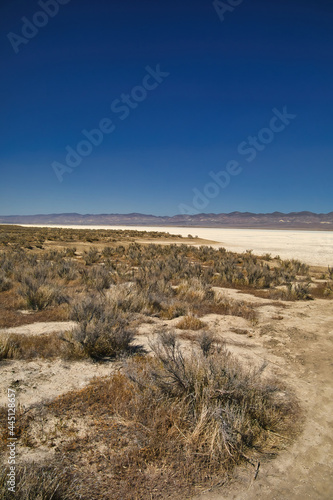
x,y
222,81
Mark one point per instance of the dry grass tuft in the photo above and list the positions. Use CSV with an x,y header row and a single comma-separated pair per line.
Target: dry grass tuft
x,y
35,482
190,323
47,346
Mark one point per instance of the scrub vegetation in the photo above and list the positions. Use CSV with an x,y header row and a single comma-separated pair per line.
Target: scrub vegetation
x,y
172,418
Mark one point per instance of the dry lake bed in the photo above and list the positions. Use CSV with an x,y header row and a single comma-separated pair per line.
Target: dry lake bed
x,y
312,247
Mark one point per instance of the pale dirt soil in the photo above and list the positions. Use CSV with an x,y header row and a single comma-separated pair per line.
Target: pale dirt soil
x,y
41,328
39,380
294,338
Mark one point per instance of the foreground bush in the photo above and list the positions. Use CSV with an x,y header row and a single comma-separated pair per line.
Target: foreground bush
x,y
225,410
173,422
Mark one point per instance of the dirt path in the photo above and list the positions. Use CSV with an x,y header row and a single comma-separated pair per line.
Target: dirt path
x,y
300,348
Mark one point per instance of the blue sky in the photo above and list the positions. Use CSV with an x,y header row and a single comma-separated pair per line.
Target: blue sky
x,y
224,80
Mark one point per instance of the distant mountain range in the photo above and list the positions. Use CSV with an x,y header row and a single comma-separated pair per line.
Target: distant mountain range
x,y
275,220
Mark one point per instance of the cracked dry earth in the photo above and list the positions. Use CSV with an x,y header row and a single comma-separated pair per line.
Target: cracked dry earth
x,y
294,338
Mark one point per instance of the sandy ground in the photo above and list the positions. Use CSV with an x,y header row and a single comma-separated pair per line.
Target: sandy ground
x,y
40,328
295,339
40,380
312,247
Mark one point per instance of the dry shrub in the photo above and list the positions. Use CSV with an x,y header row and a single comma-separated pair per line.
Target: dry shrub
x,y
105,338
172,422
67,269
5,348
206,264
330,272
40,294
220,304
190,323
221,411
103,330
328,289
292,291
96,277
92,256
133,299
173,310
295,266
322,290
206,342
193,289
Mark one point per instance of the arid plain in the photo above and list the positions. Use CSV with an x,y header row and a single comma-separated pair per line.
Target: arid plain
x,y
168,370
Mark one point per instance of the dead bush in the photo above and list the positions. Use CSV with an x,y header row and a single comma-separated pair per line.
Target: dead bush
x,y
206,342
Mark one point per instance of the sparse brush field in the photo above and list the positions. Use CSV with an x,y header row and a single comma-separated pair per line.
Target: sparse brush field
x,y
177,412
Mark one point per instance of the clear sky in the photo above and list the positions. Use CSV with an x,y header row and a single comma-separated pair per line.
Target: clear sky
x,y
181,91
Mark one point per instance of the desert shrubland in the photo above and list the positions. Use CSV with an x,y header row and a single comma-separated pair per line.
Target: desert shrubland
x,y
169,419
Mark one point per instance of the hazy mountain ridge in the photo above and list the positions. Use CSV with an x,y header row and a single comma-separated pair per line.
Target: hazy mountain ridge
x,y
275,220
